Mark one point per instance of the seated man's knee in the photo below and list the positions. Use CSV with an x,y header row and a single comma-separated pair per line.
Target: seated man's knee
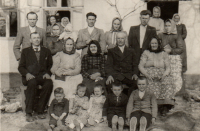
x,y
143,121
114,119
121,121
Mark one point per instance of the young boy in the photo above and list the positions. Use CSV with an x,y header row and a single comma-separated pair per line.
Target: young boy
x,y
142,107
114,109
58,109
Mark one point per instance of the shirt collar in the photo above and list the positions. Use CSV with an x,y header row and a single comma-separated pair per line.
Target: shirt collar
x,y
32,27
121,47
36,47
90,28
143,26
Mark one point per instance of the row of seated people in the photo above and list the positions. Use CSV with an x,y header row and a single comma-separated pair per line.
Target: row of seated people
x,y
159,62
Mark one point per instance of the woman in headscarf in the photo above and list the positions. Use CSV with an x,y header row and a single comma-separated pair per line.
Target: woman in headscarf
x,y
181,30
156,21
155,66
92,67
65,22
66,69
110,36
172,43
53,43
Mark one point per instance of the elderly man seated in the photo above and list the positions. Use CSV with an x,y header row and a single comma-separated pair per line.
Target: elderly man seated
x,y
122,65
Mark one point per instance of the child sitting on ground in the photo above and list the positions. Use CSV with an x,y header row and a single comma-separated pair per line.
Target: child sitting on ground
x,y
114,109
58,110
142,107
78,106
96,105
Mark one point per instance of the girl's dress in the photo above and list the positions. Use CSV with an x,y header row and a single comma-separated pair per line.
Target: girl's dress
x,y
79,106
96,107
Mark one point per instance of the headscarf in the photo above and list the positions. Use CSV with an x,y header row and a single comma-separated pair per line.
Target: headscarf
x,y
52,30
62,21
176,14
120,27
159,49
157,7
173,27
73,49
98,48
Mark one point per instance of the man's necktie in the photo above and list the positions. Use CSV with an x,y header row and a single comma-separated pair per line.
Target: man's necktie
x,y
37,53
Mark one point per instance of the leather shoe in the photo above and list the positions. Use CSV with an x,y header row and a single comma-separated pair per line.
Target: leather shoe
x,y
29,118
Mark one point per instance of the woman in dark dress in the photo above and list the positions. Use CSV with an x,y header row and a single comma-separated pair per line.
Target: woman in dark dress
x,y
182,31
92,67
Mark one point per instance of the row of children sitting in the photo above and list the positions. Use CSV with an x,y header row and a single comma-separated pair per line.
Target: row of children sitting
x,y
139,111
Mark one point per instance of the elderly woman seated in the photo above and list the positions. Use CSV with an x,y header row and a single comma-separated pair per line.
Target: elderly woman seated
x,y
92,68
66,69
155,65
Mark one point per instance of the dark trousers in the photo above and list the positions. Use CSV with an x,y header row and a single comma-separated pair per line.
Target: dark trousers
x,y
111,113
30,93
132,85
139,114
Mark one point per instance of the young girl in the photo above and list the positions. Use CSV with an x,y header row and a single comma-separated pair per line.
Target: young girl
x,y
96,105
68,32
78,114
58,109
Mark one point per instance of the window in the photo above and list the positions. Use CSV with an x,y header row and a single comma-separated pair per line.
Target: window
x,y
8,23
73,9
168,8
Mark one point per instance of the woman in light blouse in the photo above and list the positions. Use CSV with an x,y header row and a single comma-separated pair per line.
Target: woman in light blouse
x,y
110,36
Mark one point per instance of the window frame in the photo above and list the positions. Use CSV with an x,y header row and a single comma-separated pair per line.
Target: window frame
x,y
7,11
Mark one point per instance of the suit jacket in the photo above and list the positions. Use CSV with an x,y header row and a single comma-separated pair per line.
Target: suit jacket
x,y
84,35
108,39
134,39
23,38
29,63
121,65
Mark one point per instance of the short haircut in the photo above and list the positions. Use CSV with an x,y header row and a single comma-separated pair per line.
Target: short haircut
x,y
56,25
59,90
142,78
91,14
121,32
168,20
118,84
145,12
34,33
81,85
32,14
99,86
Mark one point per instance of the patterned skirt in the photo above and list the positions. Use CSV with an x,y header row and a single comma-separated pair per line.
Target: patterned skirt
x,y
161,89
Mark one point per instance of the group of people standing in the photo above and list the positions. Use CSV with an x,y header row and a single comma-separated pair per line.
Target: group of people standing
x,y
152,56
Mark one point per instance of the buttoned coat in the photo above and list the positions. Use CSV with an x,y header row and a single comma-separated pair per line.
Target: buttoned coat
x,y
121,65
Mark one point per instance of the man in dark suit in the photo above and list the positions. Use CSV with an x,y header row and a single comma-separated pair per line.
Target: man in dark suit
x,y
141,35
121,65
23,35
34,66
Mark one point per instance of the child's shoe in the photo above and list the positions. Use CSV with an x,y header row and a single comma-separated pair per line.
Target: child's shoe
x,y
133,123
143,123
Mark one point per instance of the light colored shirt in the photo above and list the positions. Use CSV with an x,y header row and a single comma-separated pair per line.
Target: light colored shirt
x,y
141,94
32,29
142,34
90,29
122,48
34,47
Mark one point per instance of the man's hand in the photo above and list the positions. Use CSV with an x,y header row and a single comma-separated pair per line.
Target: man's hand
x,y
29,76
153,120
99,79
167,49
46,76
87,41
135,77
109,80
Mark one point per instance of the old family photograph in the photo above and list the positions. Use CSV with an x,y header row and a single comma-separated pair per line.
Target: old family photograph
x,y
100,65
